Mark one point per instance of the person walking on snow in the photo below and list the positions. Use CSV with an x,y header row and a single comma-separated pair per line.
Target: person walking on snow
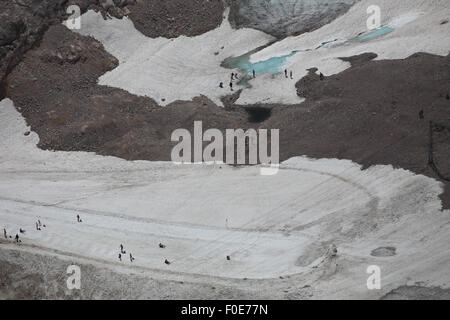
x,y
17,238
232,76
4,233
285,73
291,74
231,86
37,226
131,258
254,74
120,256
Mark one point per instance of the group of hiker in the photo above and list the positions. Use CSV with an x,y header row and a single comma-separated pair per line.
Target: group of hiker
x,y
16,238
287,74
123,252
234,76
38,225
290,74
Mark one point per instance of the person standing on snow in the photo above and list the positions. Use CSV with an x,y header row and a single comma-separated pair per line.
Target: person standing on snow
x,y
231,86
131,258
120,256
254,74
285,73
4,233
17,237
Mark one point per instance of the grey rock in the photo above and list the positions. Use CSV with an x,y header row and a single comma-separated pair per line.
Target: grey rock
x,y
282,18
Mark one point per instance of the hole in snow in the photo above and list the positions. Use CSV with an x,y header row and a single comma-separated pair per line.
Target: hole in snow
x,y
258,114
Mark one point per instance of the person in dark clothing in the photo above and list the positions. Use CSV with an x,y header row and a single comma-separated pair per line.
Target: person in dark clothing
x,y
291,74
322,77
21,230
162,246
4,233
221,85
120,256
131,257
231,86
285,73
228,258
254,74
232,76
421,115
78,218
167,262
17,238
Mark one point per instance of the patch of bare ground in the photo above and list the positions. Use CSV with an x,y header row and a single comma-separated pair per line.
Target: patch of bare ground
x,y
173,18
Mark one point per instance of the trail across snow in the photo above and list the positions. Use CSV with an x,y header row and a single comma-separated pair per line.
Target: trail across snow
x,y
270,226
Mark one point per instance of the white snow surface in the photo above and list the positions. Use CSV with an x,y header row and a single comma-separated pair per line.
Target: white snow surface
x,y
170,69
185,67
270,226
